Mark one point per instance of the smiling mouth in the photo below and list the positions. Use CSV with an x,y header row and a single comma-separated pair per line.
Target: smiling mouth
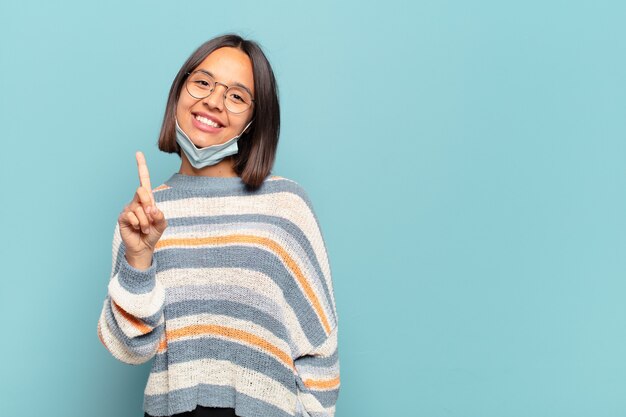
x,y
207,122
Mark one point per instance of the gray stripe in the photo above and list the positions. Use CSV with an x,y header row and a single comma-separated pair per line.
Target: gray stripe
x,y
229,190
326,398
187,399
142,345
255,259
131,279
209,347
160,362
154,319
224,292
227,308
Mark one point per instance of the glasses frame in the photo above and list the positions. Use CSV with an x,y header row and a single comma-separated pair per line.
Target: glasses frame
x,y
188,74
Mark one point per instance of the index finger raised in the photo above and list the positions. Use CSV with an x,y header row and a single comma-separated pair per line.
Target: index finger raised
x,y
144,175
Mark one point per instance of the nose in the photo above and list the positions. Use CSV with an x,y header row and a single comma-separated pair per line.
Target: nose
x,y
216,98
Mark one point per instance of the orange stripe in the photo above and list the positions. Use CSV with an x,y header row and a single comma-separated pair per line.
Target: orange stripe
x,y
161,187
321,384
138,324
162,345
198,329
288,260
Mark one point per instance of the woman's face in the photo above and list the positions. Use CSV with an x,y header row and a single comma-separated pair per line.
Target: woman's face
x,y
229,66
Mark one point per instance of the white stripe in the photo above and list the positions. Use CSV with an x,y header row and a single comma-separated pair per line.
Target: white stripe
x,y
255,281
117,240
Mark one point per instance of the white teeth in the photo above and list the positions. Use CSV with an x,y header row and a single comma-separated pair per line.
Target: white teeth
x,y
207,121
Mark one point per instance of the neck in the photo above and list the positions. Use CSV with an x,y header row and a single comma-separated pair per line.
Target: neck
x,y
224,168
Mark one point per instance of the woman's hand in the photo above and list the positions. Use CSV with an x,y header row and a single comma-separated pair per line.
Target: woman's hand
x,y
141,223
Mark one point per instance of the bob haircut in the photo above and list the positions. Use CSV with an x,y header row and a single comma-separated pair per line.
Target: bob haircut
x,y
257,146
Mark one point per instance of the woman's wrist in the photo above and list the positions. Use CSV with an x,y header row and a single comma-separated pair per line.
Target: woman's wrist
x,y
141,262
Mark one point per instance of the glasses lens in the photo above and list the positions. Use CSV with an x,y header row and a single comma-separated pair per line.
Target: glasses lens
x,y
200,84
237,100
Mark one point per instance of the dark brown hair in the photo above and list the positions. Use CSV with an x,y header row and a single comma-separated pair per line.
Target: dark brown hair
x,y
257,146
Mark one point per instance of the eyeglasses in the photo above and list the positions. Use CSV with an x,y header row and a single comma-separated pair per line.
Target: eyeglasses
x,y
200,84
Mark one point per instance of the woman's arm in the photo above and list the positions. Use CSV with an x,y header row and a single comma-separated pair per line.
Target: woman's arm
x,y
317,363
318,379
131,324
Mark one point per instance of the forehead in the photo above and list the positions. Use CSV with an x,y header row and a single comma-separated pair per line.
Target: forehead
x,y
229,66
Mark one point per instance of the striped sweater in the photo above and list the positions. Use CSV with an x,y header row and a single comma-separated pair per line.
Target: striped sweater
x,y
237,308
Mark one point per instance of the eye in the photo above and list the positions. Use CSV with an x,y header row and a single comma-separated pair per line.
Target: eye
x,y
238,96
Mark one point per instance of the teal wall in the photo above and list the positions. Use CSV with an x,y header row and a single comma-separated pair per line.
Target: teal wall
x,y
466,160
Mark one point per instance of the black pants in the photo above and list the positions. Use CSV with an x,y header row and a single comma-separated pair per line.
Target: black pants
x,y
201,411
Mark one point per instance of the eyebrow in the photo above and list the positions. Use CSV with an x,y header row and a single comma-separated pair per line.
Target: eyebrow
x,y
238,84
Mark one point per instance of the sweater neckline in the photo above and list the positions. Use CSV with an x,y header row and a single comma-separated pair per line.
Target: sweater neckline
x,y
200,182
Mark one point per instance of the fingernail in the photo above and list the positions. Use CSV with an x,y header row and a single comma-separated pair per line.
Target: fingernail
x,y
146,231
148,209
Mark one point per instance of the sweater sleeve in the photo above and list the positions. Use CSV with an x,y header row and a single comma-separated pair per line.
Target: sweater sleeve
x,y
317,363
131,324
317,379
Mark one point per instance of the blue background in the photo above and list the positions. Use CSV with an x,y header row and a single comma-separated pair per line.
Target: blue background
x,y
466,160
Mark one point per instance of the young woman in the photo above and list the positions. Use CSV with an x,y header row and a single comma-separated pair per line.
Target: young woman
x,y
221,273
